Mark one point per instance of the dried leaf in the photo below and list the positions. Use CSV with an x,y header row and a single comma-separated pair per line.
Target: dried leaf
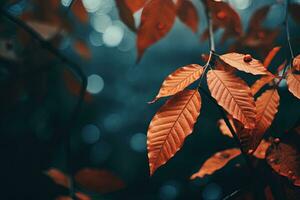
x,y
58,177
157,19
46,31
100,181
135,5
294,11
284,158
80,12
224,128
187,13
179,80
296,63
270,56
168,129
238,61
293,82
82,49
216,162
267,107
261,150
261,83
233,94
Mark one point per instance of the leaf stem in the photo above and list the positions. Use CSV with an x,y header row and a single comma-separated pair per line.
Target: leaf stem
x,y
287,28
76,69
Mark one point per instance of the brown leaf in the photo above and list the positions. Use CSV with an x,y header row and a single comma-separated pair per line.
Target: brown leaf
x,y
267,107
187,13
270,56
135,5
224,128
296,63
100,181
294,11
58,177
284,158
157,19
46,31
261,150
82,49
258,17
179,80
168,129
238,61
216,162
233,94
261,83
79,11
293,82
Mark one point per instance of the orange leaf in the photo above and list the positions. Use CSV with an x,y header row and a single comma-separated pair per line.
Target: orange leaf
x,y
224,128
293,82
135,5
101,181
58,177
82,49
179,80
187,13
262,148
216,162
296,63
267,107
157,19
261,83
233,94
79,195
270,56
240,62
168,129
80,12
46,31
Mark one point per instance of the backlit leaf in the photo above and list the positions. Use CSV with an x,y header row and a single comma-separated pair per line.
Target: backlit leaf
x,y
82,49
270,56
79,11
261,150
261,83
296,63
187,13
293,82
224,128
100,181
58,177
157,19
179,80
216,162
46,31
233,94
168,129
237,61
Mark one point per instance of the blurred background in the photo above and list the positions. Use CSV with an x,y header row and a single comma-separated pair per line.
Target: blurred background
x,y
39,93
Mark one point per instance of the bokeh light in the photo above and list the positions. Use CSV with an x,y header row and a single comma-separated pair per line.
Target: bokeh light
x,y
100,152
113,122
113,35
240,4
169,191
95,84
127,43
91,5
66,3
101,22
275,16
212,192
96,39
138,142
105,6
90,133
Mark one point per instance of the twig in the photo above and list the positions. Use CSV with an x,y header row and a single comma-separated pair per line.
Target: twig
x,y
287,28
75,69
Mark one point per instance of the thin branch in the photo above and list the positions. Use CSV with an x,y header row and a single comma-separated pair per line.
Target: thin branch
x,y
287,28
75,69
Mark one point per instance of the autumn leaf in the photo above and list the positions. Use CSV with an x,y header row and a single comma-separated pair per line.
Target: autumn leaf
x,y
294,11
267,107
261,83
293,82
284,158
187,13
46,31
240,62
79,11
179,80
261,150
82,49
296,63
271,56
258,18
168,129
58,177
233,94
100,181
224,128
216,162
79,196
158,17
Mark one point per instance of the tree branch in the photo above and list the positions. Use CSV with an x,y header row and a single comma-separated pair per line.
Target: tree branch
x,y
287,28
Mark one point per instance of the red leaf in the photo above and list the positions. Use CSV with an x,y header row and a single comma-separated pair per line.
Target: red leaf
x,y
293,82
261,83
157,19
296,63
80,12
82,49
187,13
270,56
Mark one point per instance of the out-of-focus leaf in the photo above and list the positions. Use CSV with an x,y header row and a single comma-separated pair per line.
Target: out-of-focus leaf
x,y
258,17
293,82
82,49
187,13
296,63
179,80
79,11
240,62
284,158
168,129
157,19
261,150
233,94
216,162
58,177
101,181
271,56
294,11
46,31
79,196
